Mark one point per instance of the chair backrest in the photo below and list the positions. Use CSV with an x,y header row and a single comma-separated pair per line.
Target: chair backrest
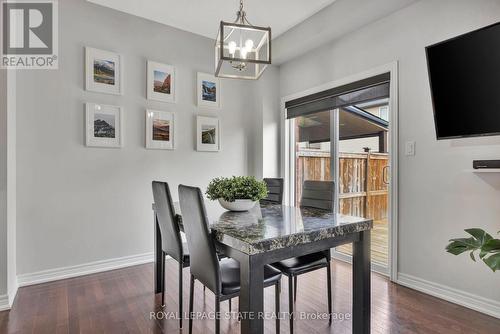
x,y
204,263
275,191
318,194
165,216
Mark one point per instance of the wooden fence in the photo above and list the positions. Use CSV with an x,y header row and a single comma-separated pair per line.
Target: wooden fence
x,y
362,190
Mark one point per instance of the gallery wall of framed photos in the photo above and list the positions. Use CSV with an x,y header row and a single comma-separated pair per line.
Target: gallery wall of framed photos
x,y
105,73
51,135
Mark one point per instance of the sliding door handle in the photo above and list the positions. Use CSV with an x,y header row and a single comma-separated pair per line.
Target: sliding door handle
x,y
385,174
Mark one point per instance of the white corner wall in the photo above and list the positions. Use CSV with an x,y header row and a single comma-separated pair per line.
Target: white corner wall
x,y
8,279
439,196
267,122
3,190
79,205
11,187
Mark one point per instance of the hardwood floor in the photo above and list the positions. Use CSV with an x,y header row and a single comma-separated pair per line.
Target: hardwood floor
x,y
120,301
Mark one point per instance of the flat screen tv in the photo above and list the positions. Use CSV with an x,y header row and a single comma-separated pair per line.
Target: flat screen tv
x,y
464,75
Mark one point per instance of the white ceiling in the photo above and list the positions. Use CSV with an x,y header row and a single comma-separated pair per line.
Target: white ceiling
x,y
202,17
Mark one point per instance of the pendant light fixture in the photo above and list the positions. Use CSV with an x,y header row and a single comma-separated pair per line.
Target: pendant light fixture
x,y
242,50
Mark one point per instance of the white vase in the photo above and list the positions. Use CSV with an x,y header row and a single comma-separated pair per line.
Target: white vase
x,y
237,205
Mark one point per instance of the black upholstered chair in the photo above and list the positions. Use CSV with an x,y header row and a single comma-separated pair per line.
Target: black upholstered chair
x,y
318,195
170,235
275,191
222,277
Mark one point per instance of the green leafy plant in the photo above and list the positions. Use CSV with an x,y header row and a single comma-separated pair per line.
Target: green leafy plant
x,y
236,187
488,247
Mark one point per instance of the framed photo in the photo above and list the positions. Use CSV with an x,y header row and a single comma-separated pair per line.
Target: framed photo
x,y
161,82
103,71
208,134
160,133
209,90
103,125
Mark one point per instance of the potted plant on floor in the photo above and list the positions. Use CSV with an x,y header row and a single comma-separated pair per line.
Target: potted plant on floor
x,y
488,247
237,193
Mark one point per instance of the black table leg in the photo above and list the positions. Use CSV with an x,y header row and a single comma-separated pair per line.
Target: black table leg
x,y
361,303
159,259
252,295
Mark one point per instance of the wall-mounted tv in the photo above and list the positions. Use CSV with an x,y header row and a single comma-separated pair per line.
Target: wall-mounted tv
x,y
464,75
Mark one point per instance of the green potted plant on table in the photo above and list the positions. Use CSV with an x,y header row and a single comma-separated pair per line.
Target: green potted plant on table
x,y
237,193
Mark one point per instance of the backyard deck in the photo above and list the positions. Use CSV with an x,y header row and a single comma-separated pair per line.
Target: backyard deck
x,y
362,187
380,243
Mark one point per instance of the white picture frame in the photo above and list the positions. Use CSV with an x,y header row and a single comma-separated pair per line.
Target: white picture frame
x,y
103,125
207,82
160,130
208,134
160,72
103,71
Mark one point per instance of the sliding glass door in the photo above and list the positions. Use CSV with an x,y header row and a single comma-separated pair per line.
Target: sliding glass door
x,y
312,150
363,158
345,137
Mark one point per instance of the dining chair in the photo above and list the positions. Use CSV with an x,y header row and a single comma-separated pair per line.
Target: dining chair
x,y
170,235
316,195
222,277
275,191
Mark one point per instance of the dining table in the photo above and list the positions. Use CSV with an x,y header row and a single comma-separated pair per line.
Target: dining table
x,y
269,233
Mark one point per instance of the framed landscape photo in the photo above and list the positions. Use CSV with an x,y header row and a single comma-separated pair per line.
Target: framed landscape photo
x,y
209,90
103,71
208,134
103,125
161,82
160,131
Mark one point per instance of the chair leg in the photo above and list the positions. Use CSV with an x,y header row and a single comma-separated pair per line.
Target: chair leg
x,y
180,294
295,289
277,306
217,315
229,305
191,297
290,302
163,275
239,310
329,282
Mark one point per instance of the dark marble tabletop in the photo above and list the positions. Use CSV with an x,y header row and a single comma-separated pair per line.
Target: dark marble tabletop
x,y
270,227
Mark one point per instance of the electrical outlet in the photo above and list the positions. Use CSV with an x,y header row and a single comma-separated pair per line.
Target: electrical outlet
x,y
410,148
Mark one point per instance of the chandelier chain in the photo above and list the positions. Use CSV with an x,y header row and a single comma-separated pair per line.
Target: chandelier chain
x,y
241,16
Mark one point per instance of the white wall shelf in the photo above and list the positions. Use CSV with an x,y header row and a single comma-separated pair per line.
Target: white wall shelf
x,y
489,170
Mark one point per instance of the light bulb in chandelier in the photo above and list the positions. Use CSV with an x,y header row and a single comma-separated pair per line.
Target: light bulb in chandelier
x,y
249,45
243,53
232,47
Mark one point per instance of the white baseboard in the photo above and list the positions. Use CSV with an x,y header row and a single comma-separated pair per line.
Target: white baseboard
x,y
83,269
474,302
12,294
4,303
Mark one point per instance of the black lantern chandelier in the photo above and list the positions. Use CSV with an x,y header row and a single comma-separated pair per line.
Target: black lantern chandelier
x,y
242,50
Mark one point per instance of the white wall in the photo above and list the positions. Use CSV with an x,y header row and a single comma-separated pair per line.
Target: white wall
x,y
11,187
3,184
76,204
439,196
266,128
338,19
8,280
357,145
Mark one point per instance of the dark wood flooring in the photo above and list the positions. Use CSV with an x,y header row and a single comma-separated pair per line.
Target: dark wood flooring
x,y
121,301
